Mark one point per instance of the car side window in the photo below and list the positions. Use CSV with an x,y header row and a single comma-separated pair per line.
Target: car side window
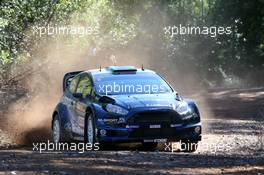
x,y
84,86
73,84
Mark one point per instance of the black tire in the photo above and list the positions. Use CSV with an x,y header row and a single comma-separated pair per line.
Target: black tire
x,y
189,146
149,146
56,130
90,127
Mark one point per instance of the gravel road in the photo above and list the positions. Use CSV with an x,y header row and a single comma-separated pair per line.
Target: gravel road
x,y
232,144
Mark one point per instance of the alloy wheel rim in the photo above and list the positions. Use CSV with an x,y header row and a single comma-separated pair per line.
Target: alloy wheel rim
x,y
90,133
56,131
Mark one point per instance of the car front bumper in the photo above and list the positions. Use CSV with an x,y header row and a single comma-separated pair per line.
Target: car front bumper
x,y
150,133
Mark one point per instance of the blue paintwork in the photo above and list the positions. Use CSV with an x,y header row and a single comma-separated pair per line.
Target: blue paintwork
x,y
72,112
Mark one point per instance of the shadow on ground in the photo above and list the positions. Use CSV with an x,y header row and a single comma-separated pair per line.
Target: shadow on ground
x,y
128,162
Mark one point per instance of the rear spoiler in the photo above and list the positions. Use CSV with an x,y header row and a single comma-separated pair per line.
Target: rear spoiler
x,y
68,77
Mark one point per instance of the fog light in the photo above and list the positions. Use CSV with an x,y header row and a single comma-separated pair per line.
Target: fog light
x,y
197,129
102,132
121,120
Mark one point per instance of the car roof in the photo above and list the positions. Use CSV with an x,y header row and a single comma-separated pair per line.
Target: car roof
x,y
109,71
117,70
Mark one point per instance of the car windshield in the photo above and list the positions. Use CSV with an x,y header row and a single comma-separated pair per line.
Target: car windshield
x,y
138,83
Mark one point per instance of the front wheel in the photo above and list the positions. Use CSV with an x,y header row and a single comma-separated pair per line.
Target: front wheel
x,y
90,130
56,130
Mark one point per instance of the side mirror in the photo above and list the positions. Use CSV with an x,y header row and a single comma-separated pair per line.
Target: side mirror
x,y
77,95
178,97
105,99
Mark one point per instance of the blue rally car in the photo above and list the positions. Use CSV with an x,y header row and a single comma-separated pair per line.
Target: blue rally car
x,y
124,104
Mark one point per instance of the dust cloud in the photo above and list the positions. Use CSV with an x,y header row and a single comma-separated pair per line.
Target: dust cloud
x,y
29,118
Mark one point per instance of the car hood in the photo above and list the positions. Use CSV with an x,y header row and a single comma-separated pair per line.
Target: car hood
x,y
146,100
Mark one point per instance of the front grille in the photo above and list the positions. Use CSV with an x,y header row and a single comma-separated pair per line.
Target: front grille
x,y
155,117
162,133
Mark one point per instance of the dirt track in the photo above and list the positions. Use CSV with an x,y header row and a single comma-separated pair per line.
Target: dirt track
x,y
231,145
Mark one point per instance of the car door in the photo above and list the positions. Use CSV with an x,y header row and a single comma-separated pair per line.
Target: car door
x,y
84,87
70,100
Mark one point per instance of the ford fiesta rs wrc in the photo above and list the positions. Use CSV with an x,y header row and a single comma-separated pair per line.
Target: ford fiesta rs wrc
x,y
124,104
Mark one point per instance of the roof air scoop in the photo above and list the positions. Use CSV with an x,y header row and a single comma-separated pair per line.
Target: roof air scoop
x,y
121,69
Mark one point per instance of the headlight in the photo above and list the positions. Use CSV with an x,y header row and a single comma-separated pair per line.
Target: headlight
x,y
116,109
183,108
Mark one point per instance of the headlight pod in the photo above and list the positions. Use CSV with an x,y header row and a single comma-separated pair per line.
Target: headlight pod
x,y
116,109
194,117
183,108
186,112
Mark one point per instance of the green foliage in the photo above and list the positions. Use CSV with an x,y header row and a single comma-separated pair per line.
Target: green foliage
x,y
140,23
